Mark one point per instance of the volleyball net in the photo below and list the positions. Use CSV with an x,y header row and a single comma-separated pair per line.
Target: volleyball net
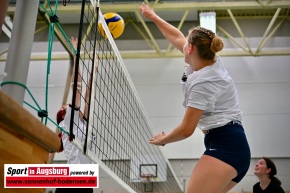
x,y
118,128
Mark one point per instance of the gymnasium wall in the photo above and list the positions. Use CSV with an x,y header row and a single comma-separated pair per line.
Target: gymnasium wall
x,y
263,85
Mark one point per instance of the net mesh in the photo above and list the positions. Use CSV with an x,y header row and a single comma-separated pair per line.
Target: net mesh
x,y
118,126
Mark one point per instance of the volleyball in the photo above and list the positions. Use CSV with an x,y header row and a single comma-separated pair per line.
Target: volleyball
x,y
115,24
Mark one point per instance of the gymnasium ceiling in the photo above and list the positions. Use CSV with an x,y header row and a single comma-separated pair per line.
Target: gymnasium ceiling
x,y
142,39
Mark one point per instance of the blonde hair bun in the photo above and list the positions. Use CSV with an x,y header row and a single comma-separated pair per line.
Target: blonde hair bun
x,y
216,44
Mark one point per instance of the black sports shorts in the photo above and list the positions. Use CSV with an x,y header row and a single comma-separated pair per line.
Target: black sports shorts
x,y
229,144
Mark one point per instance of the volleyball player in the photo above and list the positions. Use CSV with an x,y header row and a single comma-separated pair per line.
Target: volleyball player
x,y
212,104
73,154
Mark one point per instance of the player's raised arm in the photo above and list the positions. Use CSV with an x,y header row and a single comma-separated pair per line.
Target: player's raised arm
x,y
74,42
88,89
171,33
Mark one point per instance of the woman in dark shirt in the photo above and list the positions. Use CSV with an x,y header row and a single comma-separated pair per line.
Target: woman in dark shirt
x,y
265,170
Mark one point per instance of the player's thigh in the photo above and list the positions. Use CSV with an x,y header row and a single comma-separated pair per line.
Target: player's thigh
x,y
210,175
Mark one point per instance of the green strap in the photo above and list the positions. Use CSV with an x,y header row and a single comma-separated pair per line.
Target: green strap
x,y
52,15
24,86
38,107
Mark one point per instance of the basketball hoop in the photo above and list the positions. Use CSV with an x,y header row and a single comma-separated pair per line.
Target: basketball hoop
x,y
147,172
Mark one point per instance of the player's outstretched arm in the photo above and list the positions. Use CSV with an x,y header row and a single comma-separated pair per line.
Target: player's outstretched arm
x,y
171,33
88,89
182,131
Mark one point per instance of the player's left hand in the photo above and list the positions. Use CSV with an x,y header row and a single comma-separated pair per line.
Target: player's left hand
x,y
157,139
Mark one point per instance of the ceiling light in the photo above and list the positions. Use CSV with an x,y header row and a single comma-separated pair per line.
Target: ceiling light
x,y
208,20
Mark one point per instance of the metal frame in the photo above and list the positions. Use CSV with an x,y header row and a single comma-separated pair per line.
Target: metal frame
x,y
276,10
